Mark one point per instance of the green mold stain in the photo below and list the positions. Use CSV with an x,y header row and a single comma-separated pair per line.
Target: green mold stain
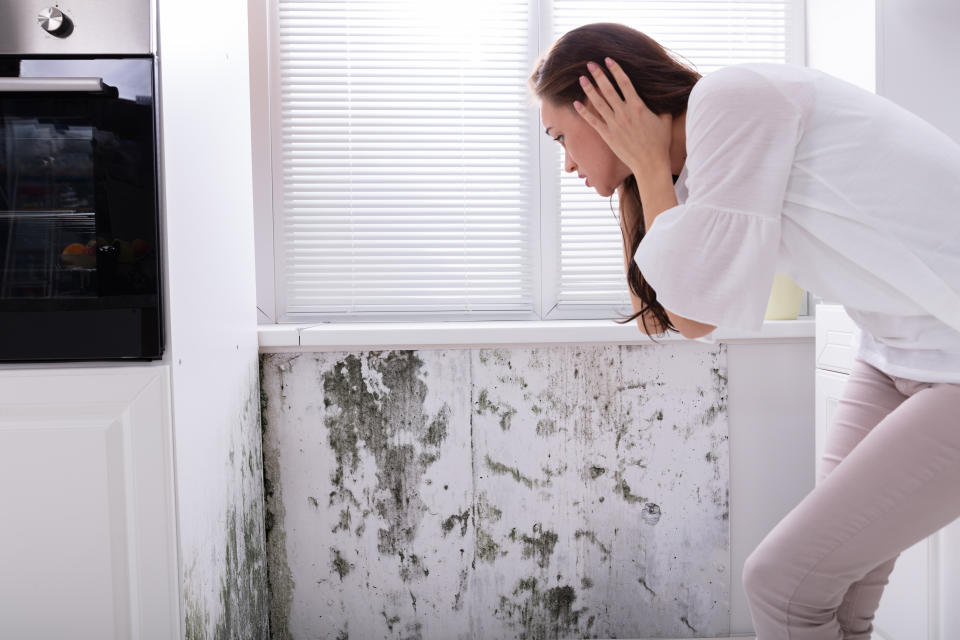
x,y
501,469
506,412
196,614
244,596
383,417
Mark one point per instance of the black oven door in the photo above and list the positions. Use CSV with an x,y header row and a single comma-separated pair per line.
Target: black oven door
x,y
79,242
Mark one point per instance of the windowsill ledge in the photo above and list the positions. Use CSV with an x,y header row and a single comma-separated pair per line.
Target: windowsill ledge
x,y
393,335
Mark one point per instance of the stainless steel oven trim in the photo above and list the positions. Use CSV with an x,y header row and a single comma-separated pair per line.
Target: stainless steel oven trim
x,y
63,85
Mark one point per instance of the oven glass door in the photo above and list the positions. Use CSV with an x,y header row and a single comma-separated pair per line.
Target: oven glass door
x,y
79,261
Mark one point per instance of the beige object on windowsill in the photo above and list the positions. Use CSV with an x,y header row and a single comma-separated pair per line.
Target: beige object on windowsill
x,y
786,299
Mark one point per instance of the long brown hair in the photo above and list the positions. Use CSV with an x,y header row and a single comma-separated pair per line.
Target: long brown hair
x,y
661,81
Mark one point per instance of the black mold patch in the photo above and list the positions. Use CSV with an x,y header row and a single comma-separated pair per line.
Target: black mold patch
x,y
461,588
411,567
339,564
539,546
540,615
485,510
623,489
244,607
546,427
279,577
592,537
373,417
646,586
487,548
392,620
651,513
462,518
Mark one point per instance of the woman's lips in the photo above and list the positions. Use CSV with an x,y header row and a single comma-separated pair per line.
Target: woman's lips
x,y
587,181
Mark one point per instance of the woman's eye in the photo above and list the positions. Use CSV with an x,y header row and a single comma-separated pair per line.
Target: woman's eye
x,y
559,138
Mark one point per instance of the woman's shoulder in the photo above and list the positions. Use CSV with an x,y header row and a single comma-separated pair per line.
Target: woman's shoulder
x,y
756,84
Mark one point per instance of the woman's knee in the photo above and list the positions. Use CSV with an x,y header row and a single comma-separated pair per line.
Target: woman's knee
x,y
760,572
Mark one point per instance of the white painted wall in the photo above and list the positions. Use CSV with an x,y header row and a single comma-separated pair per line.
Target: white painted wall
x,y
918,49
841,38
210,287
771,419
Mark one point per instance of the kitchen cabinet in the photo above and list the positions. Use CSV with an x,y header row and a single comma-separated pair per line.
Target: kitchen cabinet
x,y
88,535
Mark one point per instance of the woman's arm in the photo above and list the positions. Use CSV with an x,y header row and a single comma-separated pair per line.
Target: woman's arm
x,y
657,195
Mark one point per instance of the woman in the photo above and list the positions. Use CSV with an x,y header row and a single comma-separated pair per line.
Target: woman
x,y
757,169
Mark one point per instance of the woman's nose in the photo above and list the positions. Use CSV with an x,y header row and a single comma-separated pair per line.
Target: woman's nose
x,y
568,164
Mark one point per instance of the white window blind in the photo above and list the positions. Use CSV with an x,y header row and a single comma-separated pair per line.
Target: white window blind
x,y
406,155
707,33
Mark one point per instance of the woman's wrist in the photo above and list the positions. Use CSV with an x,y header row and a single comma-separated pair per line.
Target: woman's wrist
x,y
657,193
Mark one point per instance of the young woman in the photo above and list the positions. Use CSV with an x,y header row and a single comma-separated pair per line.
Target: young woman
x,y
756,169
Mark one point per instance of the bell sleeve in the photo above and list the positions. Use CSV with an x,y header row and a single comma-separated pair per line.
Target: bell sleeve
x,y
712,258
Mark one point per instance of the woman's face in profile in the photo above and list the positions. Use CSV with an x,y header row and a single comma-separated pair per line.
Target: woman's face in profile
x,y
585,152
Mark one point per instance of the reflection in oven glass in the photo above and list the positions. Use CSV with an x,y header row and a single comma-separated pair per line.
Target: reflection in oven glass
x,y
48,235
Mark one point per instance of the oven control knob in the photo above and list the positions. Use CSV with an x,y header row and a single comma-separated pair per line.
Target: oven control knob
x,y
53,21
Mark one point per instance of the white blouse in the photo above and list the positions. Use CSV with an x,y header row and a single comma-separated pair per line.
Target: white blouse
x,y
790,170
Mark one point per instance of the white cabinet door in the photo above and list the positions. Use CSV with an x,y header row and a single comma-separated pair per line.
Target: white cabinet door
x,y
827,390
88,535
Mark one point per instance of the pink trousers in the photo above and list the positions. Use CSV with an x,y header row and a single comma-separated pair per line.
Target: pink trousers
x,y
889,477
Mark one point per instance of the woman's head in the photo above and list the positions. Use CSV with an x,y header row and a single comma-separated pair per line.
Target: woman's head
x,y
661,81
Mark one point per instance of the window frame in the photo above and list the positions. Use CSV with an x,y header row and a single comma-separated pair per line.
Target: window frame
x,y
544,259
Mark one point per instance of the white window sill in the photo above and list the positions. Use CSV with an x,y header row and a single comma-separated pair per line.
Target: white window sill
x,y
393,335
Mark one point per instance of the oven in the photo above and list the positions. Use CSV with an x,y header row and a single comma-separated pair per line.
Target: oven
x,y
80,250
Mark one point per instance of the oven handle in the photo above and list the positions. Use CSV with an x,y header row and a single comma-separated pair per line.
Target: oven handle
x,y
63,85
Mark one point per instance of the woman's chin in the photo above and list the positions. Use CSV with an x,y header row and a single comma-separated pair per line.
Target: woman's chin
x,y
604,191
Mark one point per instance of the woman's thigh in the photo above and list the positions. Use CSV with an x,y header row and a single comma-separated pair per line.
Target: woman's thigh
x,y
869,395
897,485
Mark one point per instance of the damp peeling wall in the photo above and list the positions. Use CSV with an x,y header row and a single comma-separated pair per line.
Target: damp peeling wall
x,y
556,492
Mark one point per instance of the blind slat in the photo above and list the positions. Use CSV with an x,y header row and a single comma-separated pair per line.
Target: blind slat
x,y
406,172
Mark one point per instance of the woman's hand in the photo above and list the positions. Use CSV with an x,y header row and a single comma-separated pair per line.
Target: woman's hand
x,y
639,137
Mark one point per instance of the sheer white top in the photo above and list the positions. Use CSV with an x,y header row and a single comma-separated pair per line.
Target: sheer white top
x,y
790,170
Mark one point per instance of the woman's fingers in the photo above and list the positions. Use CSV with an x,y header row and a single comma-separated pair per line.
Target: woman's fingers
x,y
589,113
622,80
595,98
603,83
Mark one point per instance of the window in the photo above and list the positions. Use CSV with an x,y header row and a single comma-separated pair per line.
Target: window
x,y
412,180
